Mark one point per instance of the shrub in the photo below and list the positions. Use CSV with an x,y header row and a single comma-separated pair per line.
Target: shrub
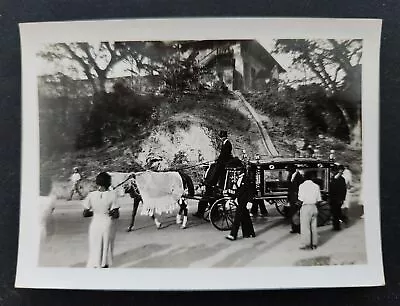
x,y
115,116
305,112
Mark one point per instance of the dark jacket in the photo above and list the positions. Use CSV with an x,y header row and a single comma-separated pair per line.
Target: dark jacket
x,y
293,187
337,190
246,190
226,152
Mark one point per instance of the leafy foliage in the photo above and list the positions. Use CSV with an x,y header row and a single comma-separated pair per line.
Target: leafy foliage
x,y
336,67
305,112
115,116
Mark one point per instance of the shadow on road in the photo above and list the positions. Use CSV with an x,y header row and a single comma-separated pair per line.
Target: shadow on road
x,y
181,257
270,226
133,255
326,233
242,257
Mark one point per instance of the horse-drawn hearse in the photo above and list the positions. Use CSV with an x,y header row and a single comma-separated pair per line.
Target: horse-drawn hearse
x,y
269,180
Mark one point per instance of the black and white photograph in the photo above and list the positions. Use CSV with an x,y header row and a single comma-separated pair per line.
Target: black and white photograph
x,y
225,150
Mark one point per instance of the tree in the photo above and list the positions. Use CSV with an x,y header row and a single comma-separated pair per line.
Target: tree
x,y
174,62
336,65
95,62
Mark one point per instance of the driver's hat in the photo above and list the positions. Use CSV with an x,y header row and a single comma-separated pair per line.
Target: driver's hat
x,y
223,134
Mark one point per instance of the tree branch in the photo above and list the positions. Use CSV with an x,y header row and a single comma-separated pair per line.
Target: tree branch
x,y
81,61
90,58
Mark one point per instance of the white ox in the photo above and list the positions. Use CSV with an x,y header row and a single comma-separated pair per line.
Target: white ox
x,y
159,191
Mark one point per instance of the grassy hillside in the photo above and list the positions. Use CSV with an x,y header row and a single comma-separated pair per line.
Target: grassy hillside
x,y
208,110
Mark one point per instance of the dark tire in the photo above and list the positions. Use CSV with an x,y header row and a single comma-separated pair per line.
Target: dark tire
x,y
324,213
222,214
281,207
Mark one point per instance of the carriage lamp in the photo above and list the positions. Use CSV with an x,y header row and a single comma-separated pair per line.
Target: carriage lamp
x,y
332,155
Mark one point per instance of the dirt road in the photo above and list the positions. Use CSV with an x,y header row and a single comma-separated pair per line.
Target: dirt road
x,y
200,245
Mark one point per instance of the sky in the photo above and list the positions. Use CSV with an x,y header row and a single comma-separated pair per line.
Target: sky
x,y
292,75
50,68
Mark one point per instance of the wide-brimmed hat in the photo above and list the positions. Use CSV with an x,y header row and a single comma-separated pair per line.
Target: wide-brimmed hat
x,y
223,134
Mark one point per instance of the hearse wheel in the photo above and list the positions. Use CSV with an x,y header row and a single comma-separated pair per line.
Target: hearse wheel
x,y
222,213
282,207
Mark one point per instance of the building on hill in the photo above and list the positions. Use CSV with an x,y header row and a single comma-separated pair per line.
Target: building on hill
x,y
242,65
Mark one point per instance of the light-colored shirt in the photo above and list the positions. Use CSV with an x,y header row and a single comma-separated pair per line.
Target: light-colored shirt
x,y
75,177
101,202
309,192
347,177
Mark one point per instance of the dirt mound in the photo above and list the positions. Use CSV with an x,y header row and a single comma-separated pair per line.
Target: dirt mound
x,y
183,136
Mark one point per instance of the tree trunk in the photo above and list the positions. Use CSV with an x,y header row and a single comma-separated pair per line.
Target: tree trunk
x,y
354,129
101,81
356,135
346,118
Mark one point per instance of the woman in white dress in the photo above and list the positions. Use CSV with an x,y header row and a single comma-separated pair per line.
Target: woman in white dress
x,y
46,207
103,204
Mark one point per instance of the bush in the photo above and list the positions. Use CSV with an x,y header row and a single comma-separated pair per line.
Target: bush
x,y
115,116
305,112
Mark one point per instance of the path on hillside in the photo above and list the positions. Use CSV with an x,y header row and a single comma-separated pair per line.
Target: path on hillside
x,y
265,143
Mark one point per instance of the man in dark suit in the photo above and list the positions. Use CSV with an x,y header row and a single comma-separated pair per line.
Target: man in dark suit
x,y
224,157
294,181
226,148
337,195
242,217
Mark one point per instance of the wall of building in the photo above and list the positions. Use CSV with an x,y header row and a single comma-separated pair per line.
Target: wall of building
x,y
251,67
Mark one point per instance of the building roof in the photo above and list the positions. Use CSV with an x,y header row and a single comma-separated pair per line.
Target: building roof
x,y
258,51
253,47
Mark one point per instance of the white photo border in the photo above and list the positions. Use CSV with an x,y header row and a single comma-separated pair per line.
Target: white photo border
x,y
34,35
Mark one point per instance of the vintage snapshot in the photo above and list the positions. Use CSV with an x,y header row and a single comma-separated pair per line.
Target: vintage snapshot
x,y
200,154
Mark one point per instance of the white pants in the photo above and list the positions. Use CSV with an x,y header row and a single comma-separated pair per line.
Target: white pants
x,y
308,224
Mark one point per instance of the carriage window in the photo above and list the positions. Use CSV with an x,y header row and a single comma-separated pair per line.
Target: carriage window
x,y
275,180
275,175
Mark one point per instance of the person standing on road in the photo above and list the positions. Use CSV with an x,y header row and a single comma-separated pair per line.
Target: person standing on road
x,y
103,205
348,177
242,216
46,208
294,180
337,195
75,180
309,195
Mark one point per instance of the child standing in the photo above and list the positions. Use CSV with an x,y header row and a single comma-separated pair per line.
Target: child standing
x,y
75,180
